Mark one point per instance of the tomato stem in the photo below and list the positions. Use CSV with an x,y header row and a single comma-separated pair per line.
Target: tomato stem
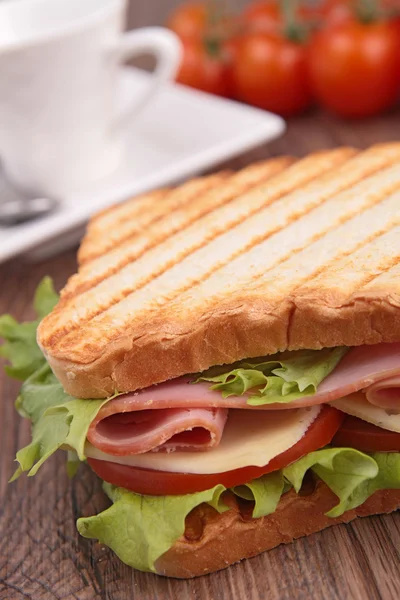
x,y
216,11
220,27
367,10
292,29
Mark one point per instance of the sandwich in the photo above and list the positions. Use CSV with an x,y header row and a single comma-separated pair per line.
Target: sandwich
x,y
226,360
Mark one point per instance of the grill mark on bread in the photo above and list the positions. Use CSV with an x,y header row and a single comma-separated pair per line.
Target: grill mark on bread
x,y
95,271
331,157
389,281
325,253
357,305
279,286
338,284
313,165
129,219
133,277
280,294
143,203
113,215
359,197
309,250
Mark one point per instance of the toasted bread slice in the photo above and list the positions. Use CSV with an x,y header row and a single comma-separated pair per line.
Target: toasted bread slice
x,y
115,225
226,206
306,259
126,250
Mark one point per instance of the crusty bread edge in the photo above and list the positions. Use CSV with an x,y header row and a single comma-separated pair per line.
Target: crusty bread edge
x,y
230,537
243,327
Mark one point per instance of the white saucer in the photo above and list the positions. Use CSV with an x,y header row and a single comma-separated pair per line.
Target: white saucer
x,y
180,133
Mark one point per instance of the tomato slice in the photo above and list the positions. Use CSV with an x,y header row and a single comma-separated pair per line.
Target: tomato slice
x,y
163,483
366,437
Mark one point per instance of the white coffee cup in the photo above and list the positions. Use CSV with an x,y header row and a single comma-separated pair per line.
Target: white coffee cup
x,y
59,61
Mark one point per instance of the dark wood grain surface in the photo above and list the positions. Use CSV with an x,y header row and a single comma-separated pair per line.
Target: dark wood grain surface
x,y
41,555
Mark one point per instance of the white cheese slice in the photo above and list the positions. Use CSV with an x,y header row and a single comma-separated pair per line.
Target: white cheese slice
x,y
358,406
250,438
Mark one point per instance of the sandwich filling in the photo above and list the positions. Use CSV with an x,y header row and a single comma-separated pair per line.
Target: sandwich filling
x,y
255,428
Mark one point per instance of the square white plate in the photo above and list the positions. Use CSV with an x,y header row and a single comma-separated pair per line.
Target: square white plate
x,y
180,133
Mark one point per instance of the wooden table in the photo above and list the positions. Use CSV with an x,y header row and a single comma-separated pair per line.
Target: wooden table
x,y
42,556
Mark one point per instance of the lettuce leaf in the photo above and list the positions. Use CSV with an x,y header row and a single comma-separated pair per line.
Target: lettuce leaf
x,y
20,347
58,420
283,378
139,529
353,476
73,463
45,298
265,492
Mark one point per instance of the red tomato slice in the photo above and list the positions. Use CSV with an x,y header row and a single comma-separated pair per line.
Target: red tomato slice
x,y
366,437
162,483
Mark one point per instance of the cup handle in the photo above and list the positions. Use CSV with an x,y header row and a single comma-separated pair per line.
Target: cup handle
x,y
167,49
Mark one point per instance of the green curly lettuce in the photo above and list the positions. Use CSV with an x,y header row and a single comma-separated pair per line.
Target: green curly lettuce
x,y
265,492
58,420
283,378
139,529
20,347
353,476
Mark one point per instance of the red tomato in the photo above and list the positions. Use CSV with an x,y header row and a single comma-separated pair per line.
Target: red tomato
x,y
162,483
262,16
270,72
332,12
202,71
189,21
363,436
355,68
230,49
268,16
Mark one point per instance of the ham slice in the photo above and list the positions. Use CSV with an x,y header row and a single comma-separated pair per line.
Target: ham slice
x,y
192,417
385,393
122,432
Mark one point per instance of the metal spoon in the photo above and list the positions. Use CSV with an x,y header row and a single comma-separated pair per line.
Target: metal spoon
x,y
14,212
16,208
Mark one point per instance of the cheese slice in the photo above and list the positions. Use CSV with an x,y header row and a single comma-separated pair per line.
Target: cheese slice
x,y
358,406
249,439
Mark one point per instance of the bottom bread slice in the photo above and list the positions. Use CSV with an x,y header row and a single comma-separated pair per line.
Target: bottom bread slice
x,y
213,541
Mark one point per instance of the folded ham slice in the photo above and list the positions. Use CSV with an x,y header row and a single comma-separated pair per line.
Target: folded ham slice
x,y
180,415
119,432
385,393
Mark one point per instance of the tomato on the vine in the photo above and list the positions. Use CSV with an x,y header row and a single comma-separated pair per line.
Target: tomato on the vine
x,y
189,20
262,15
354,67
204,71
270,16
333,12
160,483
270,71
